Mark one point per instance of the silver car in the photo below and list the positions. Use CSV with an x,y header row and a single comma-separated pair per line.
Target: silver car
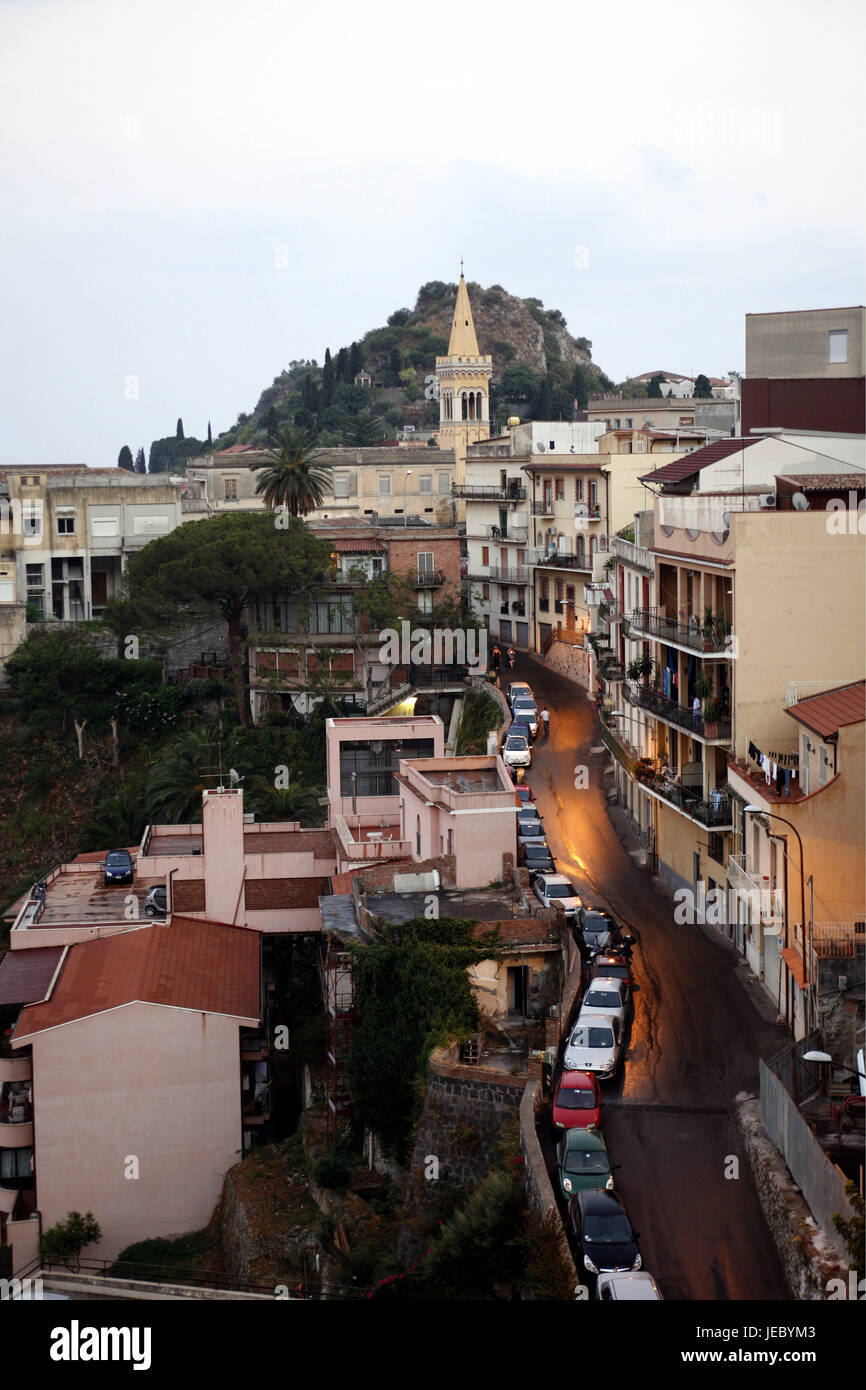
x,y
526,712
555,888
608,997
595,1045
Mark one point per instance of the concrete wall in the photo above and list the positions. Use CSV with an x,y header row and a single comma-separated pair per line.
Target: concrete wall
x,y
795,344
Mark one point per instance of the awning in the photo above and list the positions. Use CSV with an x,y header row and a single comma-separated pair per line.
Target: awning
x,y
794,961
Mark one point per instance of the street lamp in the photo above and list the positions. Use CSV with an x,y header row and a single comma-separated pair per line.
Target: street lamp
x,y
826,1060
771,815
405,483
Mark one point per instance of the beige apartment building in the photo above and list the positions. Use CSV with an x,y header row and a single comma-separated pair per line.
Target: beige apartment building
x,y
67,531
749,586
812,343
399,480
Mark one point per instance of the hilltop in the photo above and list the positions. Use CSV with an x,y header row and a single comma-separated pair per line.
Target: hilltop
x,y
539,369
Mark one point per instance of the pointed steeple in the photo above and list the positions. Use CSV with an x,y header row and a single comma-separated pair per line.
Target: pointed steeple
x,y
463,342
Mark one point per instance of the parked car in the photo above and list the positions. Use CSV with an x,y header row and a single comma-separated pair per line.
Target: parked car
x,y
526,711
525,795
606,996
632,1287
517,727
156,902
584,1162
518,689
597,929
577,1102
603,1233
516,751
537,859
531,832
556,888
594,1045
613,967
118,867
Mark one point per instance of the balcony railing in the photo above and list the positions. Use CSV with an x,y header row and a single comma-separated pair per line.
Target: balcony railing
x,y
714,812
429,579
649,623
503,575
480,492
766,903
544,508
712,731
566,562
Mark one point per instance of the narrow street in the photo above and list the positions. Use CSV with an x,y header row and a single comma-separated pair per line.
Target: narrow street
x,y
695,1037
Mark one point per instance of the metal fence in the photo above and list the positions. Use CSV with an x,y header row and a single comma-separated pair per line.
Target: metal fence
x,y
819,1180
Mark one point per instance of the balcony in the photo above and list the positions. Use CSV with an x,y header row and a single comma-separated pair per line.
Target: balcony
x,y
518,534
503,575
544,508
679,716
610,669
429,579
714,813
554,561
766,903
16,1115
619,748
480,492
636,556
690,636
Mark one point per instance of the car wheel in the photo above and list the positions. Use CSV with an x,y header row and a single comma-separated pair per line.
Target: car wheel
x,y
150,911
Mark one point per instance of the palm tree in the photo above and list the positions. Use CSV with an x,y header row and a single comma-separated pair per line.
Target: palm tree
x,y
119,821
295,478
178,778
294,802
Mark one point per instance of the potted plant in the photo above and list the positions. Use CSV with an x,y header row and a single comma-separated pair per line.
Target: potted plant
x,y
712,711
703,685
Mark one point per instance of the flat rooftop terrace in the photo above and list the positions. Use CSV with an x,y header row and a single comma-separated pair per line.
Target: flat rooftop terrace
x,y
82,897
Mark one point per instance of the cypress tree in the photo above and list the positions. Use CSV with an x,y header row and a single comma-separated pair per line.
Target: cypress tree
x,y
271,423
140,465
209,435
179,433
342,364
124,459
354,361
328,380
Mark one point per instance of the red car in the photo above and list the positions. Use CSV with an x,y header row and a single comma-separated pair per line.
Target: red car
x,y
613,967
577,1103
524,794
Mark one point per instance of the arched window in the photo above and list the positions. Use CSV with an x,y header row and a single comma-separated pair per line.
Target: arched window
x,y
418,836
479,409
471,405
581,551
593,545
464,406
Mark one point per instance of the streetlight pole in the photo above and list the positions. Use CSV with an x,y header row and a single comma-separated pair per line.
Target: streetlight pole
x,y
771,815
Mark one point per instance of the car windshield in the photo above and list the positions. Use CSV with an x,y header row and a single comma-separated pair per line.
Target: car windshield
x,y
117,859
537,852
576,1100
531,827
608,1230
616,972
560,890
602,999
579,1161
515,743
592,1037
525,707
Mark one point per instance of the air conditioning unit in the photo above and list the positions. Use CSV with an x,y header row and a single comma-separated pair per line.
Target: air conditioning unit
x,y
767,499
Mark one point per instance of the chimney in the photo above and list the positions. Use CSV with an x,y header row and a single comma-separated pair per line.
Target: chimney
x,y
223,844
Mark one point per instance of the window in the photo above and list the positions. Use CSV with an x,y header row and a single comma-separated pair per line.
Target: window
x,y
578,489
384,485
559,485
66,525
31,517
485,554
485,591
593,494
630,423
425,601
341,486
617,422
640,446
444,484
375,763
230,486
425,562
553,444
425,482
557,588
16,1163
837,345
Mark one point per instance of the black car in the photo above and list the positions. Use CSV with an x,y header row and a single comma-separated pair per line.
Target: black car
x,y
598,929
537,859
603,1233
118,867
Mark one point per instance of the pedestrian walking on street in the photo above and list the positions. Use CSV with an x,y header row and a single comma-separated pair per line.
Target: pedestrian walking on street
x,y
545,721
512,654
495,659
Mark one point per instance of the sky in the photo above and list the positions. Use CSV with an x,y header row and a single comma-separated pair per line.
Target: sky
x,y
197,192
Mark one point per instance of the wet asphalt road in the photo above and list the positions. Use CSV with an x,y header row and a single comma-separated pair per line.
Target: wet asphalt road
x,y
694,1045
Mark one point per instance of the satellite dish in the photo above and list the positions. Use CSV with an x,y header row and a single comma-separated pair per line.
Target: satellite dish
x,y
726,518
800,502
581,509
234,778
540,447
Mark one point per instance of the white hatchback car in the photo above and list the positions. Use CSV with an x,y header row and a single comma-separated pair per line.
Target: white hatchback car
x,y
556,888
518,690
608,997
631,1286
595,1045
516,751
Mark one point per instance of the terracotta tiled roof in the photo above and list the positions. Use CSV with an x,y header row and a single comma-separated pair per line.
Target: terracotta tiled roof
x,y
199,965
699,458
26,975
825,482
830,711
353,546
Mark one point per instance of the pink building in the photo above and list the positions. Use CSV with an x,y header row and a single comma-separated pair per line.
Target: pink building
x,y
464,807
128,1052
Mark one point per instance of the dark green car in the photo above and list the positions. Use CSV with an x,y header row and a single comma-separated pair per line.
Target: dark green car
x,y
584,1162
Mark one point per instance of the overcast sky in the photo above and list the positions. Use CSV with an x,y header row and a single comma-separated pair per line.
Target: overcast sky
x,y
197,192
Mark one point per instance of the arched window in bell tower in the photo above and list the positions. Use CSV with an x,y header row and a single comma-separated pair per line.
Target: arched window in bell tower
x,y
465,406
